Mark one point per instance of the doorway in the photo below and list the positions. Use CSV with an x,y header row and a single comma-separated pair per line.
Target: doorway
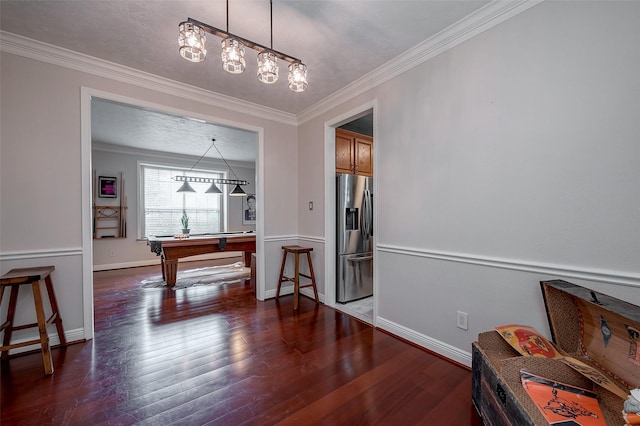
x,y
360,120
224,127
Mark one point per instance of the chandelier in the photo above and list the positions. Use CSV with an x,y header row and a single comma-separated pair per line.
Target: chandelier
x,y
213,189
192,46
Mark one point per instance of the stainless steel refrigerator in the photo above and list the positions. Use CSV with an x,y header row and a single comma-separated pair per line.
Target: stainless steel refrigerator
x,y
354,242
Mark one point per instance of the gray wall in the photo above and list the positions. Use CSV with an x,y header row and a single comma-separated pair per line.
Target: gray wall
x,y
509,159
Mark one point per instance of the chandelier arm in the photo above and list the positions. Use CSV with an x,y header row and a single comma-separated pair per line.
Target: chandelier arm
x,y
248,43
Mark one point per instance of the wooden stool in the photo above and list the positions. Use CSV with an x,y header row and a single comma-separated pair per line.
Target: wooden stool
x,y
296,250
14,279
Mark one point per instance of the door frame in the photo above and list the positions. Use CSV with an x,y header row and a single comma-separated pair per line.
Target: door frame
x,y
330,199
87,94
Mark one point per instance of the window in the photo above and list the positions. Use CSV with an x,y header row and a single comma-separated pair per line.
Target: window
x,y
161,206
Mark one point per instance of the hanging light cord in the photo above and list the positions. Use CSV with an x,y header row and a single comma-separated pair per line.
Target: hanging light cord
x,y
227,15
271,20
205,153
225,161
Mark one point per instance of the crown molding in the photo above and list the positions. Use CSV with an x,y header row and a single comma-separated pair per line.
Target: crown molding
x,y
485,18
476,23
44,52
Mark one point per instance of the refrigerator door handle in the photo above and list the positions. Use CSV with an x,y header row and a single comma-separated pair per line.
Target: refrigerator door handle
x,y
370,198
366,214
370,202
359,259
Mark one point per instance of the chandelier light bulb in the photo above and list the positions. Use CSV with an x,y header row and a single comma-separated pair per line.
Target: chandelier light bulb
x,y
191,42
267,67
298,77
232,56
192,46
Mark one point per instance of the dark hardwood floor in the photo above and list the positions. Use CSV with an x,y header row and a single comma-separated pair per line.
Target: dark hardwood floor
x,y
215,355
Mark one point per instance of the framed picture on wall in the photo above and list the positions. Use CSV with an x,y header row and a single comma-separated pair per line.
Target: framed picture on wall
x,y
107,187
249,209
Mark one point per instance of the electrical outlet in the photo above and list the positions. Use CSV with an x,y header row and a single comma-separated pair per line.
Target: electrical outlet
x,y
310,205
461,320
112,253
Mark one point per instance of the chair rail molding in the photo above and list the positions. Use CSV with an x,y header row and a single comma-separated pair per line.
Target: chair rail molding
x,y
577,272
36,254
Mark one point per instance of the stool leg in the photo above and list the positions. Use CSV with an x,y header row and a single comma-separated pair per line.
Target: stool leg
x,y
296,283
13,298
54,309
313,277
284,261
42,329
1,297
2,294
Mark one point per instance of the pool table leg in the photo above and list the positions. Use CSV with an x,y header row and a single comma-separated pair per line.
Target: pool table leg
x,y
247,259
170,271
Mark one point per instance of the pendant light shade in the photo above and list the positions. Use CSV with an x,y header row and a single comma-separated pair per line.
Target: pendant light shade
x,y
213,189
237,192
298,77
186,188
191,42
267,67
233,56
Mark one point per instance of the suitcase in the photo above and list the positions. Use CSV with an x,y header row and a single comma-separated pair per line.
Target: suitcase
x,y
594,328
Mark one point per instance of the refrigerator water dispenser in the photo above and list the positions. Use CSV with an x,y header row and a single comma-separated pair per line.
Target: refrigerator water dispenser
x,y
351,219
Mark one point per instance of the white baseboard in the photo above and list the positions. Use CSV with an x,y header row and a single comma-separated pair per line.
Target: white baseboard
x,y
125,265
426,342
284,291
309,293
54,339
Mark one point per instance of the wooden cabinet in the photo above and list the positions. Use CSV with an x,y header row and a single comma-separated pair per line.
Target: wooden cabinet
x,y
354,153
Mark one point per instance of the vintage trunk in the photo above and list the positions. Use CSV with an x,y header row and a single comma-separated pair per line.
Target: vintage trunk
x,y
596,329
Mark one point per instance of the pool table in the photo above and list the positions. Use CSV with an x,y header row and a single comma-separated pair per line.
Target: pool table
x,y
170,248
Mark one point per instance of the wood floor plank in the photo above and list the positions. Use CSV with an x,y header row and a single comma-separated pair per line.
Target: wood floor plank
x,y
215,355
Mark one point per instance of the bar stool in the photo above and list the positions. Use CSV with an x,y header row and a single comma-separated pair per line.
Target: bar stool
x,y
14,279
296,250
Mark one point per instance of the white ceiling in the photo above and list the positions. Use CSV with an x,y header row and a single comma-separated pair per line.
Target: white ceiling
x,y
339,40
129,126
